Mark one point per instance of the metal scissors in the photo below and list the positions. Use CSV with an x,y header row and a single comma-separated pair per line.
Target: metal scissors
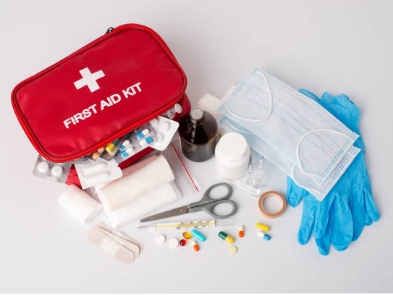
x,y
207,204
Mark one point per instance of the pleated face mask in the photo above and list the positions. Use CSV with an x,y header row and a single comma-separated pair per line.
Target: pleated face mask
x,y
294,132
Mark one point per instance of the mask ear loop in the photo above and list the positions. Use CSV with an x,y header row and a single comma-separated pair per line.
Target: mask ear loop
x,y
300,165
270,101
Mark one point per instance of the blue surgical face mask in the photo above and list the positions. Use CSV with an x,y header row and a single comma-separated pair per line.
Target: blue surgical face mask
x,y
291,130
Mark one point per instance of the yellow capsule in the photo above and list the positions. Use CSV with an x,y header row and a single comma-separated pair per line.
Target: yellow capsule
x,y
262,227
110,147
187,235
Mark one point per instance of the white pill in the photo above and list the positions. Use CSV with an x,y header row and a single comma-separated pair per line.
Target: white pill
x,y
232,250
160,239
173,243
43,167
159,137
165,126
154,122
57,171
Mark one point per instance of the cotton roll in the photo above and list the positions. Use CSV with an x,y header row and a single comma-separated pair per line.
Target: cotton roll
x,y
79,204
123,190
153,200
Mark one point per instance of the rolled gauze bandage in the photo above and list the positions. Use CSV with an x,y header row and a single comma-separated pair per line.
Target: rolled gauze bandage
x,y
153,200
79,204
123,190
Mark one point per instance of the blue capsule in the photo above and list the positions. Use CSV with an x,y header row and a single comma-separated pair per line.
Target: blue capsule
x,y
198,235
264,236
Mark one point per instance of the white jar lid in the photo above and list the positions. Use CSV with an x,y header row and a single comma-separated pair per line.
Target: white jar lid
x,y
232,146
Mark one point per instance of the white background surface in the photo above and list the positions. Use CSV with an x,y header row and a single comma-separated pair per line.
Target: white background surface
x,y
336,46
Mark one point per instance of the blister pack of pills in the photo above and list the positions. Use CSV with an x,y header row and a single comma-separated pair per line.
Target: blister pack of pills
x,y
135,141
164,129
52,171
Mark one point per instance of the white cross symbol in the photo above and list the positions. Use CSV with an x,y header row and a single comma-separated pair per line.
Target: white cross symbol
x,y
89,79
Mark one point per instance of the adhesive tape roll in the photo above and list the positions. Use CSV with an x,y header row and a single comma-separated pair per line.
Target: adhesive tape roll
x,y
274,194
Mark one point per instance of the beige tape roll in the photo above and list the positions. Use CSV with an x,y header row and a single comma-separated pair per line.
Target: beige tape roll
x,y
273,194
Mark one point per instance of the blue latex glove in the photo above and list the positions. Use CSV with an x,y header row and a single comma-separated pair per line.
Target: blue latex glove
x,y
341,216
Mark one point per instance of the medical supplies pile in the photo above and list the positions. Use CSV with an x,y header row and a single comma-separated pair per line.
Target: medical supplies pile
x,y
123,154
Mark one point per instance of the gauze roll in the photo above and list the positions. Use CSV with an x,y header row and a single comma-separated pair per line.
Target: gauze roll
x,y
123,190
79,204
139,207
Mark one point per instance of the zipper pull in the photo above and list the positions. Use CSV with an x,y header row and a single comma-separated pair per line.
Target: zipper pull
x,y
110,29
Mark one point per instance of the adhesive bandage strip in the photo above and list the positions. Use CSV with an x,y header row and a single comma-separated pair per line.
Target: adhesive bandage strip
x,y
123,190
120,238
79,204
110,245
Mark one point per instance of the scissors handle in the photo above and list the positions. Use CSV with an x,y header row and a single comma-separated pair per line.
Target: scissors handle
x,y
207,198
208,203
209,209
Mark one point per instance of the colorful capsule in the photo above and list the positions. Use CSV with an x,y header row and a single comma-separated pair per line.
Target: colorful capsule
x,y
195,245
111,147
126,144
198,235
94,156
146,141
227,238
127,152
264,236
262,227
241,231
143,133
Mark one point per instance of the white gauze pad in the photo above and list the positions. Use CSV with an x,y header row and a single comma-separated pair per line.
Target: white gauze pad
x,y
149,202
123,190
79,204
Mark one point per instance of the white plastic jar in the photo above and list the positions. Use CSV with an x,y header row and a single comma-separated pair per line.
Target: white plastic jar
x,y
232,156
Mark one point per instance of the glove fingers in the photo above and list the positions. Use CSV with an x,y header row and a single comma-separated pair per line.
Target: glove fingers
x,y
342,228
295,193
359,215
323,243
308,219
364,212
322,216
370,207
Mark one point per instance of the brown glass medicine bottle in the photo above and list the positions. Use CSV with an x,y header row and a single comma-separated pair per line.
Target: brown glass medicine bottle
x,y
199,135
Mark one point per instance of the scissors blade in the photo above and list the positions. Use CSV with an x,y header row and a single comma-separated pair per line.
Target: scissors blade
x,y
173,212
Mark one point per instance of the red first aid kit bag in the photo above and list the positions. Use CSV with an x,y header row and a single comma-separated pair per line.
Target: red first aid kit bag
x,y
104,90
